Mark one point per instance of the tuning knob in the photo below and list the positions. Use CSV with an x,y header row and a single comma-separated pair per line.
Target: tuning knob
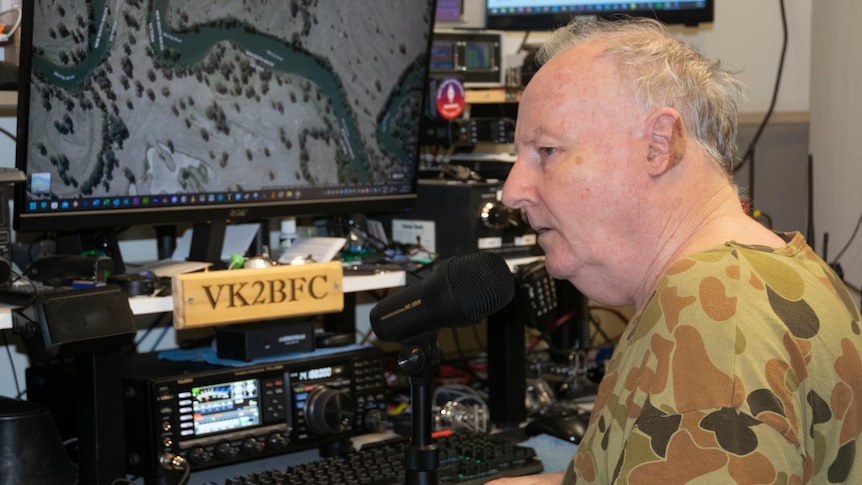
x,y
495,215
252,446
226,451
200,455
375,421
328,411
277,441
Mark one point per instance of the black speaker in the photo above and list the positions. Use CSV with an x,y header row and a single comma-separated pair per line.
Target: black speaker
x,y
82,321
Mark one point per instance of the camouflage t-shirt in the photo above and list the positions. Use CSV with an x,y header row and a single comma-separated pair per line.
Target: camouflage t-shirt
x,y
744,367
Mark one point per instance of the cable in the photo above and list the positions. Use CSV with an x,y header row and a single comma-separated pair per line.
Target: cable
x,y
160,321
462,358
8,133
6,36
847,245
12,365
462,406
159,339
478,338
523,41
749,154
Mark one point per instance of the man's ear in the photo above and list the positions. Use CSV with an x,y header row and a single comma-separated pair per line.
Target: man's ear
x,y
668,142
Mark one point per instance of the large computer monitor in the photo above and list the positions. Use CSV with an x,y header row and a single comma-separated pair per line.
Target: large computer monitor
x,y
156,112
537,15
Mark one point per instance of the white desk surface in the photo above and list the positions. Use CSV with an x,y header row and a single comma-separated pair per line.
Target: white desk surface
x,y
163,304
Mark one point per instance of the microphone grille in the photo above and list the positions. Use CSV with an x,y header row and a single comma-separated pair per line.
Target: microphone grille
x,y
481,284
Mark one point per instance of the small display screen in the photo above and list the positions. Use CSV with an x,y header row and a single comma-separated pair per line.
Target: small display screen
x,y
443,55
479,55
226,407
448,11
321,373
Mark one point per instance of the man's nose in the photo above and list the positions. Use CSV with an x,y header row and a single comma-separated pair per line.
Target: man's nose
x,y
516,188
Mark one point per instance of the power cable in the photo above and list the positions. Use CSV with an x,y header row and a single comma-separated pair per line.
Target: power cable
x,y
749,154
847,245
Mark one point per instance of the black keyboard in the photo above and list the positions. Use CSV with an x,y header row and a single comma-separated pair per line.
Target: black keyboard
x,y
466,458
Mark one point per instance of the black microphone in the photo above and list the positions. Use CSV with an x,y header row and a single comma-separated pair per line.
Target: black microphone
x,y
459,292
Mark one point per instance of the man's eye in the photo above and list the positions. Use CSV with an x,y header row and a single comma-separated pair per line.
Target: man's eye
x,y
546,152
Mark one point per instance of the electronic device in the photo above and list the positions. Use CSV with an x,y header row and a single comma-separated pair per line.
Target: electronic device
x,y
468,132
549,14
129,115
567,427
448,11
474,56
265,339
207,416
72,322
466,458
555,307
537,294
469,217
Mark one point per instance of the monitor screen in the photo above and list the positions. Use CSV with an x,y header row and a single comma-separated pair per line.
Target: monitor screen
x,y
149,112
535,15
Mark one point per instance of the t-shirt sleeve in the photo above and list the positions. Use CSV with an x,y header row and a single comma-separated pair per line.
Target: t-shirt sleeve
x,y
715,446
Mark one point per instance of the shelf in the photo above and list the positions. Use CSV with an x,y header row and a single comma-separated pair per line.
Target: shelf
x,y
488,96
164,304
779,118
8,102
9,105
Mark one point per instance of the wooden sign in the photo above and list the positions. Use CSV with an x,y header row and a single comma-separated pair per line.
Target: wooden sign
x,y
244,295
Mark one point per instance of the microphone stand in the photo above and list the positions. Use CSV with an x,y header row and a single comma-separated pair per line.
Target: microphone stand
x,y
420,356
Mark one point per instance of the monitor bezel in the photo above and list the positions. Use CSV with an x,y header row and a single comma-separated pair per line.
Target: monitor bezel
x,y
70,221
689,17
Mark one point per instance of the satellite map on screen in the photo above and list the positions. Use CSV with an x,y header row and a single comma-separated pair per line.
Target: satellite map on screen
x,y
188,96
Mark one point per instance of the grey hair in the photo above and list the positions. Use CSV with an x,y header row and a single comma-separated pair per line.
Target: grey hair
x,y
665,72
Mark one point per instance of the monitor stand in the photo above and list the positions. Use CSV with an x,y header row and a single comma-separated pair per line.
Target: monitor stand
x,y
207,242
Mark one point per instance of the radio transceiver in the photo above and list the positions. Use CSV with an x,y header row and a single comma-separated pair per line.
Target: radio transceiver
x,y
206,416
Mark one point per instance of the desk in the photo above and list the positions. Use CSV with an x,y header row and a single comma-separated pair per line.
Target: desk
x,y
165,304
103,463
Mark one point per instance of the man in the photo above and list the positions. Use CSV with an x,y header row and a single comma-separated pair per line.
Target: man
x,y
742,362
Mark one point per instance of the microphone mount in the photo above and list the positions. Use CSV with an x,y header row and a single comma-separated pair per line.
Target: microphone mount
x,y
461,292
420,357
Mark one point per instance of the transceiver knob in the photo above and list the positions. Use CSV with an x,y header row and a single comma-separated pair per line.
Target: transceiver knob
x,y
226,451
252,446
495,215
329,410
200,455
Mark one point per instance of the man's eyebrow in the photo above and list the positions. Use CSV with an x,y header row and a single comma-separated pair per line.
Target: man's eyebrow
x,y
530,138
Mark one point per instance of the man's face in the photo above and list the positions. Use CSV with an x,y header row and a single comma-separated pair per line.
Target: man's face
x,y
579,138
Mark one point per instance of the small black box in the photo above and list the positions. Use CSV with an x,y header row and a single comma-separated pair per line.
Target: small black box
x,y
469,217
248,342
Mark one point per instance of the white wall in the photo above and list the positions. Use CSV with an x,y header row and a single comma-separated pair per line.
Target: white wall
x,y
836,126
746,35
